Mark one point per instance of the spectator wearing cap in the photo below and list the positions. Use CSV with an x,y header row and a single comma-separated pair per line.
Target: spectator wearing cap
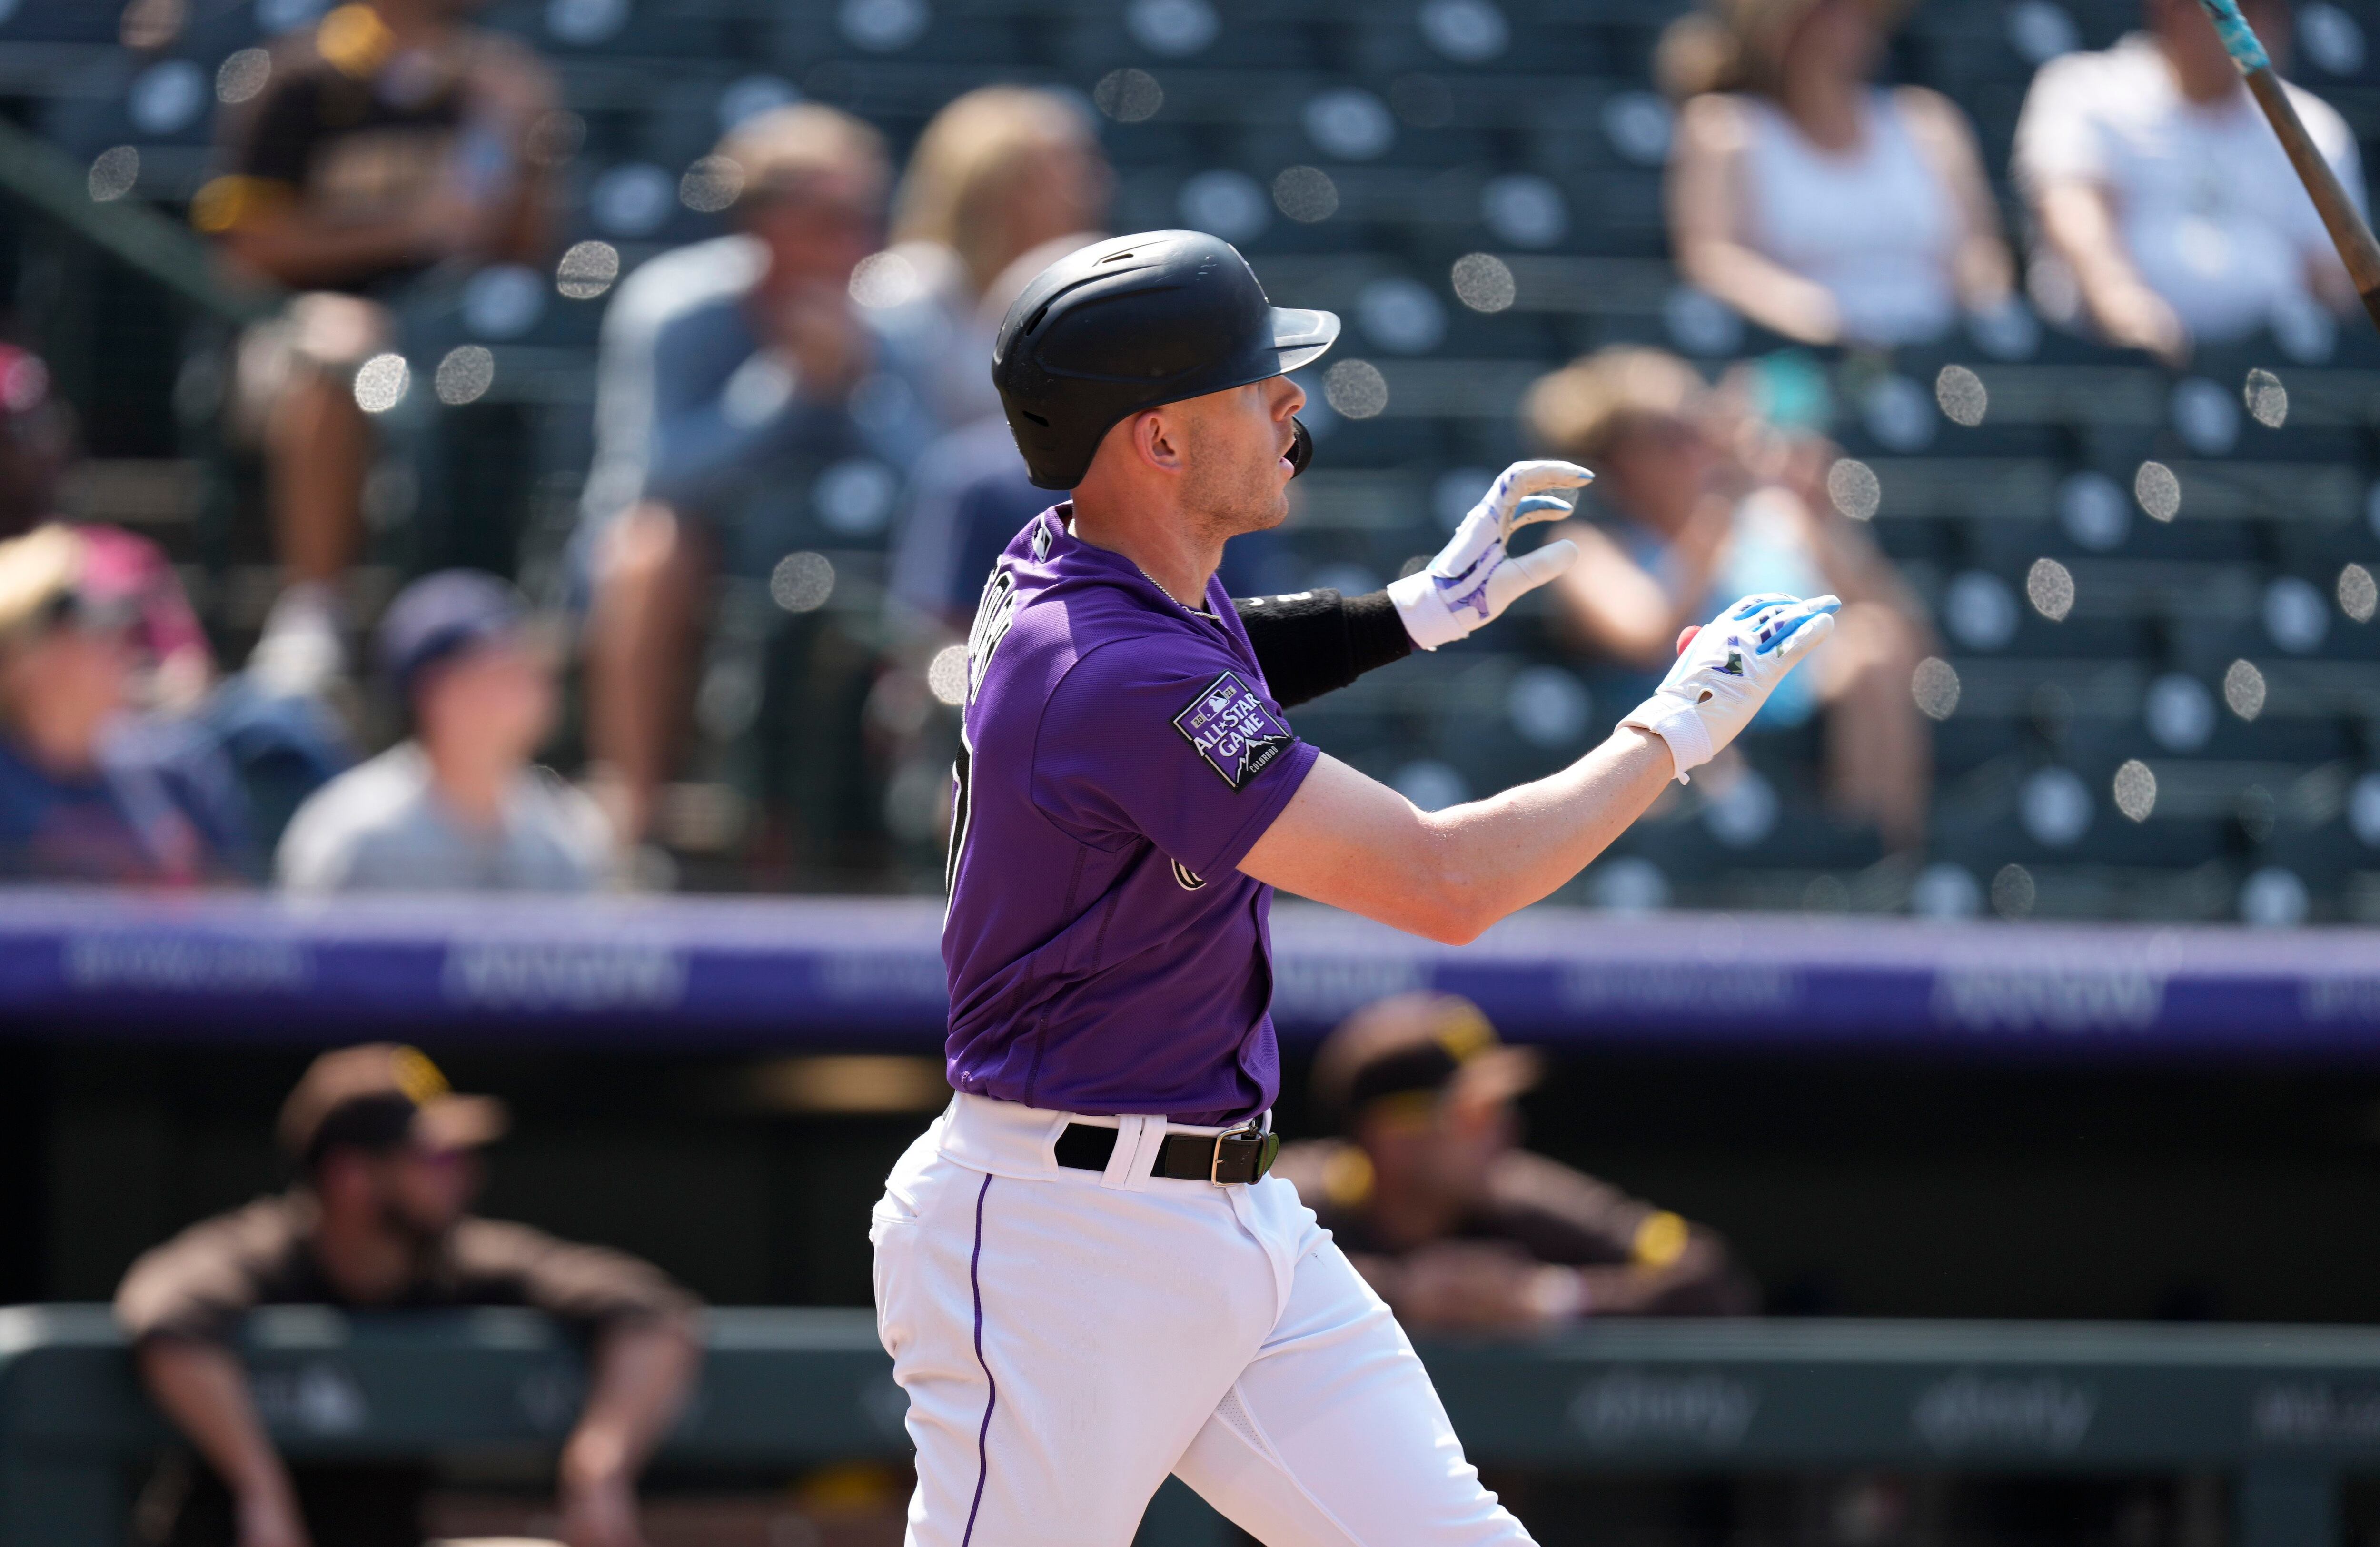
x,y
282,747
387,1161
1818,204
92,787
745,409
1455,1225
457,806
389,141
1700,504
2166,210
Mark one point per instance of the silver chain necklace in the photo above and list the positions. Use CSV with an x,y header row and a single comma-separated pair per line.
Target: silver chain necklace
x,y
1194,611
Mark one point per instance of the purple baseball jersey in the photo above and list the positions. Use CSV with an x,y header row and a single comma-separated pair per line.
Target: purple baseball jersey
x,y
1120,755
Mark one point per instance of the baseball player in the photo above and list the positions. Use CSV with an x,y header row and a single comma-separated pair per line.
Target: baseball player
x,y
1084,1274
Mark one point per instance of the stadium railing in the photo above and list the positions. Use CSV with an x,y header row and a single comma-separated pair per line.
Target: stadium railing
x,y
867,973
2286,1411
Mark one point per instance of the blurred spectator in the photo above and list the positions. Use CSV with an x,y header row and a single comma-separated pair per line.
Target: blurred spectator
x,y
1817,205
391,142
37,437
734,373
388,1164
999,175
1004,182
457,806
1431,1199
282,746
2166,211
92,787
969,497
1704,509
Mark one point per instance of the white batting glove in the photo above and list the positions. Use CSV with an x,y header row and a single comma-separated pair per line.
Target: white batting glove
x,y
1725,670
1473,579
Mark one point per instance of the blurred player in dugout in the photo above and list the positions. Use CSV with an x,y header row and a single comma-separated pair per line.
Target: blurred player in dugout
x,y
388,1162
1456,1226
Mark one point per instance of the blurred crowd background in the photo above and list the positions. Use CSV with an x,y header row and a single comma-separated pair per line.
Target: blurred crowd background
x,y
549,446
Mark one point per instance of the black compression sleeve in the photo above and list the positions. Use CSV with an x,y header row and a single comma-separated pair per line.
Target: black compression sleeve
x,y
1313,642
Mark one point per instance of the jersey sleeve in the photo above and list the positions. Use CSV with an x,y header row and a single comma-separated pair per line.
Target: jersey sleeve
x,y
1170,740
497,1261
198,1285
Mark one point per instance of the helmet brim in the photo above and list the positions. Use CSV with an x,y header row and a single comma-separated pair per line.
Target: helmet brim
x,y
1302,336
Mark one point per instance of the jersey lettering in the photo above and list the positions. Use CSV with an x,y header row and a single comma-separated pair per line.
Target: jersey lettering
x,y
993,614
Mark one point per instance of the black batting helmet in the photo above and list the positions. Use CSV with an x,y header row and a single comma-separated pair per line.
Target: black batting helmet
x,y
1130,323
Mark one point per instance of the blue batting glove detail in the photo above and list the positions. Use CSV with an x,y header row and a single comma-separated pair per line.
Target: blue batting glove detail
x,y
1752,604
1725,669
1777,633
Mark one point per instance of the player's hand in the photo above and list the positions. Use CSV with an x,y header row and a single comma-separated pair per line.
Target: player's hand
x,y
269,1518
600,1512
1725,670
1474,578
1471,1286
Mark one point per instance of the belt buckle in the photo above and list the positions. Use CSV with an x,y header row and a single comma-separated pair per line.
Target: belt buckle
x,y
1266,1145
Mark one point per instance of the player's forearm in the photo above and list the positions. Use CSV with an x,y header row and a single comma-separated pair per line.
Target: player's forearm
x,y
202,1390
643,1372
1314,642
1349,842
1497,855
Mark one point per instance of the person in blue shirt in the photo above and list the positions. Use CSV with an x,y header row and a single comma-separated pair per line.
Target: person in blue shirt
x,y
93,789
746,408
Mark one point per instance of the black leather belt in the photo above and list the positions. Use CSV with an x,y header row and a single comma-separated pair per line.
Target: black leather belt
x,y
1243,1155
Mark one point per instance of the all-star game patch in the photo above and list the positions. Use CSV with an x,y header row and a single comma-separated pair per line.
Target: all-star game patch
x,y
1238,736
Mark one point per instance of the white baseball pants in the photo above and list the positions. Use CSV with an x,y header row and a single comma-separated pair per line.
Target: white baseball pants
x,y
1066,1338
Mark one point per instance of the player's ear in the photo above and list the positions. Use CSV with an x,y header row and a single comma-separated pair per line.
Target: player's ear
x,y
1160,439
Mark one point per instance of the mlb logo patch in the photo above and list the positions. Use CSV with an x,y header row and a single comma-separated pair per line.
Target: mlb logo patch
x,y
1233,729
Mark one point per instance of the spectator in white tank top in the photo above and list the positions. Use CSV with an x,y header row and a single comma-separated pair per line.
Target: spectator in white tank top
x,y
2166,209
1814,202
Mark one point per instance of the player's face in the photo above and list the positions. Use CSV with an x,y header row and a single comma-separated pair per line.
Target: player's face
x,y
425,1190
1441,1148
1236,475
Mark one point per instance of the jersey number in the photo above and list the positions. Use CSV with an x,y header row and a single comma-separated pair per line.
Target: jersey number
x,y
993,614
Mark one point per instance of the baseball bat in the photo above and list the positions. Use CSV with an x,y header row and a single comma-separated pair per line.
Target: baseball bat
x,y
2348,232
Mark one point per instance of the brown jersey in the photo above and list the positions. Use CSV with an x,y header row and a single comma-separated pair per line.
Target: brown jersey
x,y
1634,1259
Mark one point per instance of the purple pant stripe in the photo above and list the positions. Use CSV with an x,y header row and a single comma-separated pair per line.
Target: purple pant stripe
x,y
991,1399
